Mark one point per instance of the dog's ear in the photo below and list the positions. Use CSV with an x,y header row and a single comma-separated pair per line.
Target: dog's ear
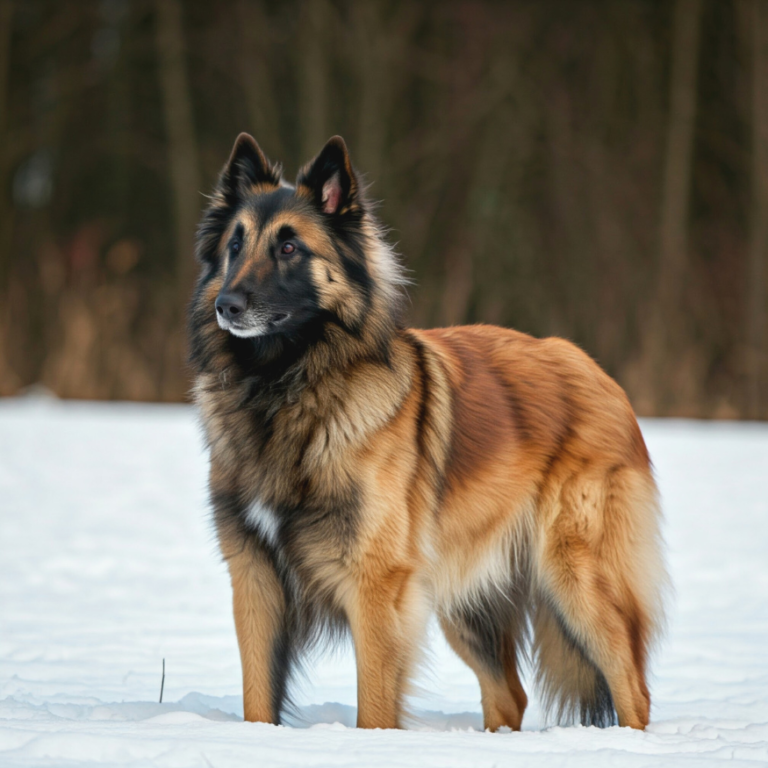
x,y
246,169
330,181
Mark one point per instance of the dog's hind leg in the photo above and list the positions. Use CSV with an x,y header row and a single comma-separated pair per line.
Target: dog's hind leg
x,y
488,637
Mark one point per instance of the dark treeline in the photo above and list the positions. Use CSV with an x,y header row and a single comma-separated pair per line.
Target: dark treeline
x,y
596,170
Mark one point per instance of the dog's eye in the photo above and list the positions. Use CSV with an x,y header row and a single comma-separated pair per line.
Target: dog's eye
x,y
288,248
235,247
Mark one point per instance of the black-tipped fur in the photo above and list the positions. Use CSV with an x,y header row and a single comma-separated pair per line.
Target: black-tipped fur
x,y
364,474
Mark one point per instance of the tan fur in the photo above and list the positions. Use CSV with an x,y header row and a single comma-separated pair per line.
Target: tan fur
x,y
479,472
258,607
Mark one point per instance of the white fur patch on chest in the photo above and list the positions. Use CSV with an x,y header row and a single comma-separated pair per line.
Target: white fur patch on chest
x,y
265,521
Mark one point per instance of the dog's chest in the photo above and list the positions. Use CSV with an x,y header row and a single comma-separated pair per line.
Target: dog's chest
x,y
264,521
293,468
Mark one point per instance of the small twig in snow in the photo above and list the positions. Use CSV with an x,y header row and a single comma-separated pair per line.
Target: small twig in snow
x,y
162,683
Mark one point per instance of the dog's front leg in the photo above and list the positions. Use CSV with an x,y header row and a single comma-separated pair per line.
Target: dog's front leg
x,y
387,623
259,605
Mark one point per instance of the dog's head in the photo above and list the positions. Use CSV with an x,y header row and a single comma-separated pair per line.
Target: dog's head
x,y
279,259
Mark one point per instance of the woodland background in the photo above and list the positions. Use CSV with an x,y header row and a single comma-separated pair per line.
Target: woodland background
x,y
596,170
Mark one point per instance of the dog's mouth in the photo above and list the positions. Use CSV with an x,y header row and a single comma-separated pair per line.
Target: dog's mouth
x,y
279,318
248,325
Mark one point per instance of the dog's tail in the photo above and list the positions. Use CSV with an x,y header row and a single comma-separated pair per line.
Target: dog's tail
x,y
599,607
570,686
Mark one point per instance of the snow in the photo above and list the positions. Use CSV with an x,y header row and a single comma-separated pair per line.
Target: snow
x,y
108,565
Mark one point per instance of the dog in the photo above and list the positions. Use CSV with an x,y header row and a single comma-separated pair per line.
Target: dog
x,y
365,476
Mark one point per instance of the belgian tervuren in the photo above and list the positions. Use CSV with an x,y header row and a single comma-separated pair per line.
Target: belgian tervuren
x,y
365,476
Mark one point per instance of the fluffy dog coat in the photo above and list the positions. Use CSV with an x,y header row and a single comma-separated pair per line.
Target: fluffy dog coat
x,y
365,476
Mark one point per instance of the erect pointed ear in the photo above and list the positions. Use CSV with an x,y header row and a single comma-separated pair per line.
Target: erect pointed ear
x,y
330,181
247,168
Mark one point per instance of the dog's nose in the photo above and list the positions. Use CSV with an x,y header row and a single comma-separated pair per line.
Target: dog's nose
x,y
231,305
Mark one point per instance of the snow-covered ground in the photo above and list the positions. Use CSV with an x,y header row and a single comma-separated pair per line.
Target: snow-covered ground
x,y
108,565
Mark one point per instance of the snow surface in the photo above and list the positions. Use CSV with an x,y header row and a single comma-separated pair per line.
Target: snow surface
x,y
108,565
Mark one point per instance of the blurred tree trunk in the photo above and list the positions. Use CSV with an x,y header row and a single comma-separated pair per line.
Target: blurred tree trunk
x,y
758,236
8,381
669,324
377,46
313,76
376,84
260,101
486,175
6,19
182,146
